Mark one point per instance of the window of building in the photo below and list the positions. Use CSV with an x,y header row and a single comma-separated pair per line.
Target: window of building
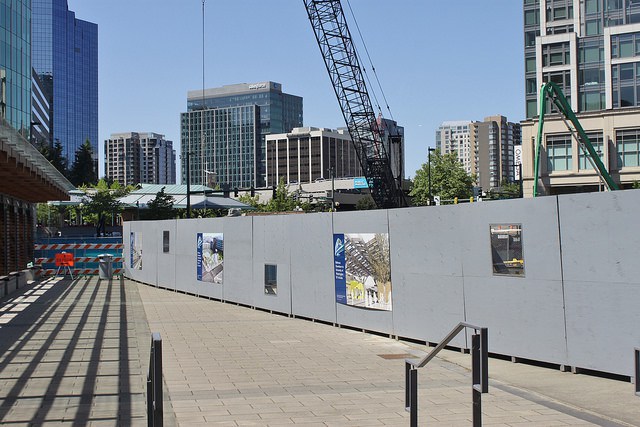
x,y
593,27
596,139
591,101
556,54
625,79
592,6
270,279
532,107
531,17
591,54
506,249
625,45
559,156
628,147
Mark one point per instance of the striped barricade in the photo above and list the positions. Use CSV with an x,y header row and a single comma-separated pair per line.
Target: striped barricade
x,y
85,260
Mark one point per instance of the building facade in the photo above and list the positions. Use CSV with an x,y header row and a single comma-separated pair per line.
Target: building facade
x,y
484,148
455,137
40,113
65,57
591,49
492,143
140,158
26,177
393,139
15,64
309,154
224,131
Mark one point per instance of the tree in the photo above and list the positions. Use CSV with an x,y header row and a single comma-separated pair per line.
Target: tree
x,y
101,203
282,200
83,171
161,207
507,190
366,203
55,156
448,179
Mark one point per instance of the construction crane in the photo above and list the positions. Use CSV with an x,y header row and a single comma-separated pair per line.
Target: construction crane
x,y
553,92
338,50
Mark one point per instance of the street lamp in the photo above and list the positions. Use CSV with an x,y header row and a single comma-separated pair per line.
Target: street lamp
x,y
429,161
333,190
208,184
188,154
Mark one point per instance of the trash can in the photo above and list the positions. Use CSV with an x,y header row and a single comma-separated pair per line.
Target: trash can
x,y
106,266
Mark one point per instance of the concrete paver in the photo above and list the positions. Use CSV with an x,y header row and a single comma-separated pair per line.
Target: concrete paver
x,y
77,353
265,369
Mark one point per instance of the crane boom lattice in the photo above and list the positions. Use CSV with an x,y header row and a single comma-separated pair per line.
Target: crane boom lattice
x,y
336,45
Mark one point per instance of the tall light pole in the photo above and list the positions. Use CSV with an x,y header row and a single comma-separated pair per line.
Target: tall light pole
x,y
188,186
429,161
333,190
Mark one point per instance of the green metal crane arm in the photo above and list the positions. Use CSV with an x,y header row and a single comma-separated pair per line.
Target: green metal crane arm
x,y
554,93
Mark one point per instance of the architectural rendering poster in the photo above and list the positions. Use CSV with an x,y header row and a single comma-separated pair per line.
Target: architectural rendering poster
x,y
362,270
210,257
136,250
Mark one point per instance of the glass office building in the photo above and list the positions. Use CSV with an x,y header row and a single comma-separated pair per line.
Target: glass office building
x,y
231,147
591,49
15,64
65,57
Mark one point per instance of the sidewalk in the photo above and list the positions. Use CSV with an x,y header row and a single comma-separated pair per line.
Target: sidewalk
x,y
76,353
229,365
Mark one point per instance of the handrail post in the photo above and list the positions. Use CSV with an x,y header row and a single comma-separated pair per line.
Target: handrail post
x,y
484,357
155,407
636,379
413,387
479,371
476,380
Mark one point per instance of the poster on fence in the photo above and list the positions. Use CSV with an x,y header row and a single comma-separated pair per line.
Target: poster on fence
x,y
210,257
362,270
136,250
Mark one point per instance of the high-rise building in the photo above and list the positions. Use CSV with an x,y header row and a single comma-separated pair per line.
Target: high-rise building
x,y
307,154
591,49
140,158
455,137
15,64
392,137
492,143
484,148
65,57
230,149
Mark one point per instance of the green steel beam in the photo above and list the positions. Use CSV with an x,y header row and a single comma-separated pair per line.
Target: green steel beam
x,y
554,93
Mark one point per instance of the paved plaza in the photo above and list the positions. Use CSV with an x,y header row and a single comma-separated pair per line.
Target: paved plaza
x,y
77,353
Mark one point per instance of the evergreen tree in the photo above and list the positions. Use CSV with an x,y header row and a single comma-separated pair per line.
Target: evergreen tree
x,y
55,156
161,207
82,170
448,179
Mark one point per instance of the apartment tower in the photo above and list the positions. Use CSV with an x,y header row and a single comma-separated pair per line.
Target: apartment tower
x,y
591,49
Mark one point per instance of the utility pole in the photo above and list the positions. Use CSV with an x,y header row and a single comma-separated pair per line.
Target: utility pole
x,y
188,186
333,190
429,165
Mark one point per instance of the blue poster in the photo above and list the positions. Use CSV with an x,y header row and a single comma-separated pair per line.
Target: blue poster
x,y
340,268
199,257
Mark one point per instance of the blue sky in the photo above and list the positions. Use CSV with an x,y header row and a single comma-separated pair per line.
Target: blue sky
x,y
436,60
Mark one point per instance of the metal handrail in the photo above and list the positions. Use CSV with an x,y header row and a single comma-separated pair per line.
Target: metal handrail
x,y
636,360
479,371
154,383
